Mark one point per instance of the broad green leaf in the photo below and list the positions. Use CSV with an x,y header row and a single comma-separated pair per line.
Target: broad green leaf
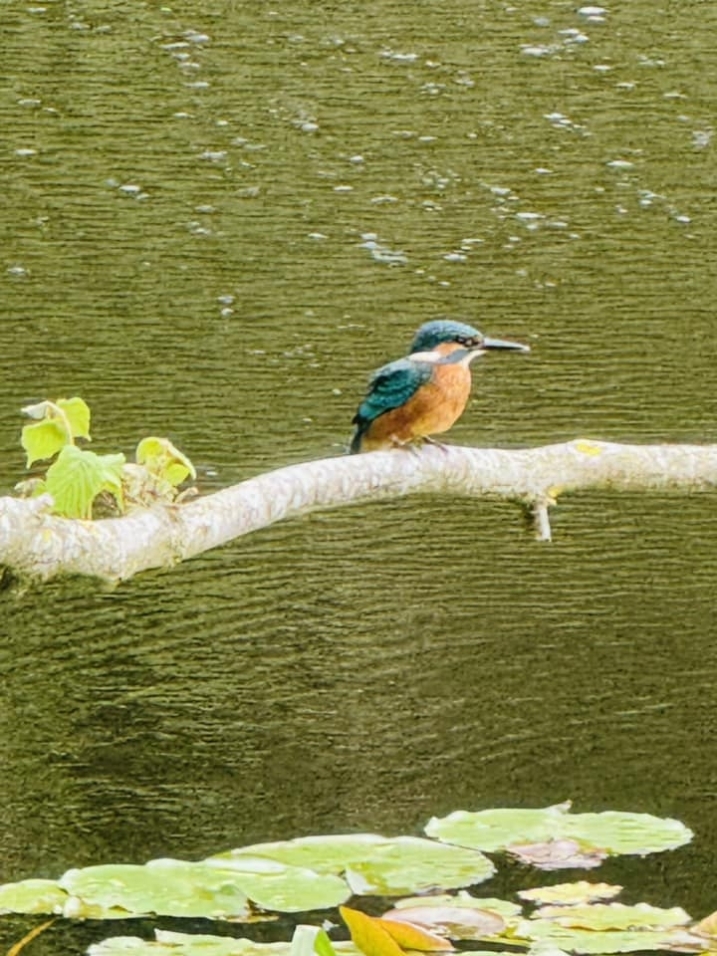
x,y
77,413
368,934
169,943
606,916
568,894
42,440
162,887
412,936
57,424
639,833
610,832
325,854
277,886
78,476
503,908
378,865
161,458
549,933
491,830
411,865
32,896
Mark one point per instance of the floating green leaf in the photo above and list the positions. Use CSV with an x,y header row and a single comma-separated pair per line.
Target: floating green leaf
x,y
162,887
273,885
548,933
378,865
76,478
168,943
638,833
161,458
32,896
568,894
606,916
411,865
492,830
610,832
325,854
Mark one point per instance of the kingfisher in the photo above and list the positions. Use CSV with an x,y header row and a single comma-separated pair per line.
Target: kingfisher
x,y
425,393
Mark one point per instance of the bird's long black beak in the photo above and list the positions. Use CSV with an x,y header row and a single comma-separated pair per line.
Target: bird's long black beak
x,y
503,344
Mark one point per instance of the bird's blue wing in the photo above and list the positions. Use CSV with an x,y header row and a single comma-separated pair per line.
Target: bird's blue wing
x,y
390,387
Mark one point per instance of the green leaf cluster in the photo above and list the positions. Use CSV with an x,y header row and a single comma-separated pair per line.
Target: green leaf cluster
x,y
78,478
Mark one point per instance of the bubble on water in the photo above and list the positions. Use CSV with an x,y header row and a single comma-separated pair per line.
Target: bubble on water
x,y
214,155
701,138
593,14
397,57
537,49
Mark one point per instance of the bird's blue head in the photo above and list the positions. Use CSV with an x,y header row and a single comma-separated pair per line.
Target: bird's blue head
x,y
438,331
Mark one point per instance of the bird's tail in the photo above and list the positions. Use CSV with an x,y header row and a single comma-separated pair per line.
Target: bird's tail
x,y
361,426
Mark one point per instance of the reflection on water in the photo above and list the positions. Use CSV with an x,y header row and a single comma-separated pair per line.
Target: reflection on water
x,y
215,226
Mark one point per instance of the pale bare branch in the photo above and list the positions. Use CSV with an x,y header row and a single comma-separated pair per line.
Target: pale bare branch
x,y
33,542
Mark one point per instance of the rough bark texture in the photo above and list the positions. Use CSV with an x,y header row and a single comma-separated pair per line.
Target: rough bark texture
x,y
33,542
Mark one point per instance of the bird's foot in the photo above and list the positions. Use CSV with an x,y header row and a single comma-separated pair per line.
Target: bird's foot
x,y
437,444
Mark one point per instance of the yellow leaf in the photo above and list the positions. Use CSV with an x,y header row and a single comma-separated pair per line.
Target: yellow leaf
x,y
369,935
161,458
410,936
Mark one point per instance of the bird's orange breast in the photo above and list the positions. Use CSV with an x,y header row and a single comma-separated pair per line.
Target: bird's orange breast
x,y
433,409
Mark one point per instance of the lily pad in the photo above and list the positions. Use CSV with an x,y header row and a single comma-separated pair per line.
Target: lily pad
x,y
32,896
611,832
547,933
569,894
186,944
412,865
608,916
374,864
618,833
325,854
277,886
162,887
